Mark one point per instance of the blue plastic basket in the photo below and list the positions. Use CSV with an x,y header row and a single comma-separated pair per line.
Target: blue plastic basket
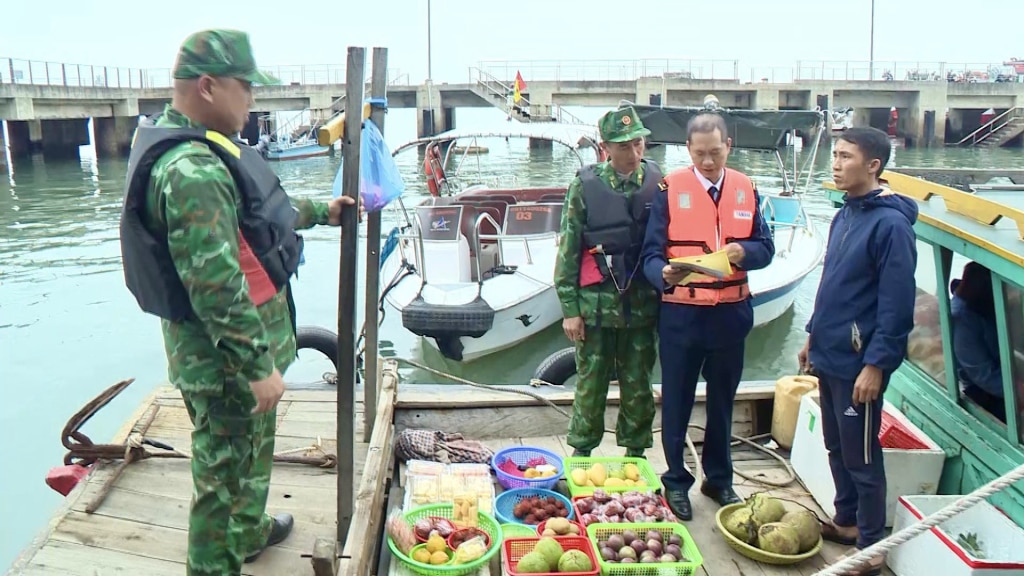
x,y
506,502
521,455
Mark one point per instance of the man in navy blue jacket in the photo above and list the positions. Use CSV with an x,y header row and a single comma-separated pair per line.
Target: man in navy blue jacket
x,y
702,326
857,335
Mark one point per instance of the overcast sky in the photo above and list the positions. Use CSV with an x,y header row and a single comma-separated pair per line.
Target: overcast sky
x,y
755,32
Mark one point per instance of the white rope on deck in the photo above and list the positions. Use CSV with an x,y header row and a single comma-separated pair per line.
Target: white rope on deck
x,y
886,545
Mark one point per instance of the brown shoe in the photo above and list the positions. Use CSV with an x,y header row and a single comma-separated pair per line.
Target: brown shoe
x,y
870,567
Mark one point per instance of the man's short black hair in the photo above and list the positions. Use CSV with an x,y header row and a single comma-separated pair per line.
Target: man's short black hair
x,y
872,143
706,123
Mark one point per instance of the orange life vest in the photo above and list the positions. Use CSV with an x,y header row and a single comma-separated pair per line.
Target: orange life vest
x,y
697,226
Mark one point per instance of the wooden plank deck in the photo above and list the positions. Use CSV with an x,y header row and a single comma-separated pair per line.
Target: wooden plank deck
x,y
719,558
141,527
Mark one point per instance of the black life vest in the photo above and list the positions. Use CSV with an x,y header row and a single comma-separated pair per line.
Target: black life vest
x,y
616,224
266,222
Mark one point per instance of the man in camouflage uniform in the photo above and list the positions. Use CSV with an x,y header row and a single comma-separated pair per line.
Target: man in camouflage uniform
x,y
609,309
228,356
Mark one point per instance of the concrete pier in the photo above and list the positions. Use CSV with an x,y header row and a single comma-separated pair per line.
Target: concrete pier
x,y
3,153
114,135
931,112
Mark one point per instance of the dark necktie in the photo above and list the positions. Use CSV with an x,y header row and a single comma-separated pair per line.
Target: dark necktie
x,y
714,193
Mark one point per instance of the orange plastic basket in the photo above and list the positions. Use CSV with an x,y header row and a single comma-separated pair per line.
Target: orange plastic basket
x,y
893,434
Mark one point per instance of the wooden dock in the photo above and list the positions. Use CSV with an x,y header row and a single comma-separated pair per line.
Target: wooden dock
x,y
490,415
141,526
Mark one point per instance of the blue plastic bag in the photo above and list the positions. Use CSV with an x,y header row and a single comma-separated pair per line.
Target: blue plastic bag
x,y
379,179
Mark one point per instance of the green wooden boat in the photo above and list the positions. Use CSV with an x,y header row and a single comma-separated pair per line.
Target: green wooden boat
x,y
953,228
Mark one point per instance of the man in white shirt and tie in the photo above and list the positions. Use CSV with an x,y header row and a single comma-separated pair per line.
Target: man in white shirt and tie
x,y
703,324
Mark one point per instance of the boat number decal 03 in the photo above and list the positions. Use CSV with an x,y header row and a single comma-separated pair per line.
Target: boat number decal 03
x,y
528,219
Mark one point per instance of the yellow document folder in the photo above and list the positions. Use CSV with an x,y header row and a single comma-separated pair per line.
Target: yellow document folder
x,y
703,267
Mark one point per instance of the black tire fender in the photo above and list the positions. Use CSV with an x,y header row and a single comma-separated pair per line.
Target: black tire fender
x,y
557,368
320,339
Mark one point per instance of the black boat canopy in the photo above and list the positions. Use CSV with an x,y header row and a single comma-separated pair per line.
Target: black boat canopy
x,y
749,129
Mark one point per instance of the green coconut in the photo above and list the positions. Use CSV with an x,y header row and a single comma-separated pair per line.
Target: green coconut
x,y
741,525
807,527
766,509
575,561
550,549
533,563
778,538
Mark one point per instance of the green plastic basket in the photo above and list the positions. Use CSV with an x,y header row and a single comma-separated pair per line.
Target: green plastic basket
x,y
598,531
511,530
653,483
753,552
485,522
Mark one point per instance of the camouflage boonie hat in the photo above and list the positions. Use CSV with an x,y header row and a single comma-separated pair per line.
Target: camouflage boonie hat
x,y
621,125
224,53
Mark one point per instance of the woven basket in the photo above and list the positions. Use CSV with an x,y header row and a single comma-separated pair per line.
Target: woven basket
x,y
753,552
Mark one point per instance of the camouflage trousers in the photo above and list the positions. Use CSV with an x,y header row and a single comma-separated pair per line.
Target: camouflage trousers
x,y
232,455
630,353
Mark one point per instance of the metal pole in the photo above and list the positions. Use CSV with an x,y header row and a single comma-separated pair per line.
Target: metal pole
x,y
378,89
871,56
430,72
347,283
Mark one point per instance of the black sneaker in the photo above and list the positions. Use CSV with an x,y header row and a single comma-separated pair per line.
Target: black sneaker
x,y
282,527
577,453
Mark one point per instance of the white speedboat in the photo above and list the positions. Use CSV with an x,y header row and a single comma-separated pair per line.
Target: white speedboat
x,y
472,271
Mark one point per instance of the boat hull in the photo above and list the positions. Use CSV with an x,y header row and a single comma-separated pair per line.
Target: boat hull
x,y
298,152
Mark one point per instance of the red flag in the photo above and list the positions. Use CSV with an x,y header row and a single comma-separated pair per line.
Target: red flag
x,y
517,88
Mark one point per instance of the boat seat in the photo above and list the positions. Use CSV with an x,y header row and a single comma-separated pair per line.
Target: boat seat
x,y
781,210
483,196
500,208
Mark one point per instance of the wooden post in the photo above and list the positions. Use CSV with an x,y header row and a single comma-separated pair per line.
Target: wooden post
x,y
347,283
378,89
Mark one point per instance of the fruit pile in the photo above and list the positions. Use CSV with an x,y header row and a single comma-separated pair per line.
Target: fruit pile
x,y
633,507
536,509
549,556
764,522
627,547
534,468
559,527
427,527
435,551
599,475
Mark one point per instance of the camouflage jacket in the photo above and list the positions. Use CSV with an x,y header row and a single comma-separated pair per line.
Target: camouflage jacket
x,y
600,303
193,199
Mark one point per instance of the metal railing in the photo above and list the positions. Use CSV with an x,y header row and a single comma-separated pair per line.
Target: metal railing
x,y
38,72
612,70
499,92
991,127
42,73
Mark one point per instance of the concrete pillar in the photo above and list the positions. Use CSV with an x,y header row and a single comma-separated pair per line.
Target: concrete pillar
x,y
251,132
429,120
26,137
61,138
650,92
930,98
766,98
113,135
3,151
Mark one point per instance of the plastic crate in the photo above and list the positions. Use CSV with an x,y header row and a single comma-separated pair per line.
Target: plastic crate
x,y
599,532
893,434
516,548
505,503
647,473
521,456
579,514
